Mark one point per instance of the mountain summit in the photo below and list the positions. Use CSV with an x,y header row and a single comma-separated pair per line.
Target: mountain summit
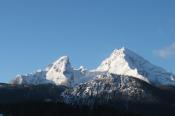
x,y
60,72
125,62
121,62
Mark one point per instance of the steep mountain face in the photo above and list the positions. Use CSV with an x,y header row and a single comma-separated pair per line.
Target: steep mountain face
x,y
121,62
110,87
125,62
61,72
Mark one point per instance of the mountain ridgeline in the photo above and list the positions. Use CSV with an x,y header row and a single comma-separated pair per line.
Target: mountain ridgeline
x,y
123,84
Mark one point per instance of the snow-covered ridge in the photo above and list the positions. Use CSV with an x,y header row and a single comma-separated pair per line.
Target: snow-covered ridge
x,y
121,62
60,73
125,62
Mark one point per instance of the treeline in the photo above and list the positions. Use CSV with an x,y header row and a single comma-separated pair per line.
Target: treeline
x,y
59,109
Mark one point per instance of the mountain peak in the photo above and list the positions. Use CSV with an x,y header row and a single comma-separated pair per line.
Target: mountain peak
x,y
119,52
126,62
60,71
121,62
63,59
124,52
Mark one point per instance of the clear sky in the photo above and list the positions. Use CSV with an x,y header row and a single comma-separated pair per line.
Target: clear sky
x,y
34,33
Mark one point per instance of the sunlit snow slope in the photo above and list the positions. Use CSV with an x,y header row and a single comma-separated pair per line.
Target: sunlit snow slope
x,y
121,62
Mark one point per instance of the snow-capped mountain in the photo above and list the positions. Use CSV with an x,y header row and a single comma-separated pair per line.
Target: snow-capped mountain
x,y
121,62
60,73
125,62
123,81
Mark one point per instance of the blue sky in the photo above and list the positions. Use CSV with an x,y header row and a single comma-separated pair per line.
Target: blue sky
x,y
34,33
